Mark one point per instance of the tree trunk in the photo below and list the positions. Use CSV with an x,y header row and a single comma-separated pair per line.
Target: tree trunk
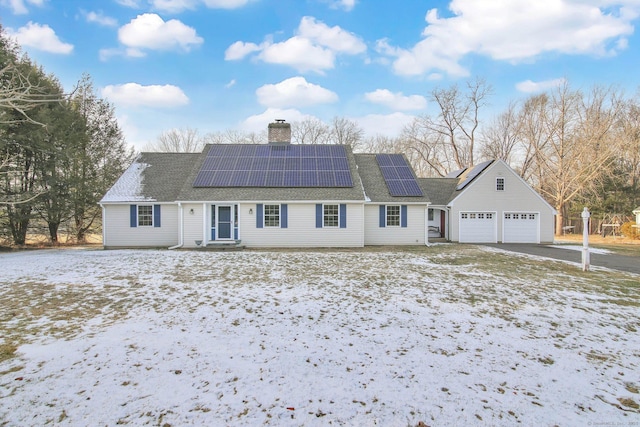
x,y
559,220
53,231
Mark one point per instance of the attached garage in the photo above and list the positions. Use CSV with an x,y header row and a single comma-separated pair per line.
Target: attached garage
x,y
521,227
478,227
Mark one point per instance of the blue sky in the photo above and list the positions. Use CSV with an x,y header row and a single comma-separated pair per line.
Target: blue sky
x,y
215,65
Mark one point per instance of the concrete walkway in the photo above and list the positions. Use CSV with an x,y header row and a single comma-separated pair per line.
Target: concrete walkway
x,y
630,264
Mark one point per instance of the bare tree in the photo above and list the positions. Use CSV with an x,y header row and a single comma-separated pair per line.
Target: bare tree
x,y
234,136
183,140
447,141
345,132
571,136
310,131
501,138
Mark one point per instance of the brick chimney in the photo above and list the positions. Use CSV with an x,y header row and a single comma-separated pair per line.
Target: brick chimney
x,y
279,132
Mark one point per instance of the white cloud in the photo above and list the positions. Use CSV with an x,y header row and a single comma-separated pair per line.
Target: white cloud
x,y
396,101
529,86
134,4
347,5
225,4
239,50
173,6
19,7
134,94
390,125
515,30
334,38
231,84
313,48
100,18
40,37
294,92
150,31
259,122
299,53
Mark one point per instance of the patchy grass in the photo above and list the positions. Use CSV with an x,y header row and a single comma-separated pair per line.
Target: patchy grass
x,y
447,334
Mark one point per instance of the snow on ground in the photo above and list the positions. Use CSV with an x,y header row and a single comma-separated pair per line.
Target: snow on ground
x,y
447,335
579,248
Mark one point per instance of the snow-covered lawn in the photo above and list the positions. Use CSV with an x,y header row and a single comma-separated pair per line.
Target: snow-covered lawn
x,y
447,335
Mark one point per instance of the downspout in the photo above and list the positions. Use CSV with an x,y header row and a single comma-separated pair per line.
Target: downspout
x,y
180,228
104,226
426,226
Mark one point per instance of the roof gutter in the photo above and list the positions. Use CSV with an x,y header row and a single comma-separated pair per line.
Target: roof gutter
x,y
180,228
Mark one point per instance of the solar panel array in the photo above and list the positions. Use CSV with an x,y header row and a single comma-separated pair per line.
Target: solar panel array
x,y
398,175
475,171
275,166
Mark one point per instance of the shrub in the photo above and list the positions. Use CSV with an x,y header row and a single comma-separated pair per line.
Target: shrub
x,y
628,230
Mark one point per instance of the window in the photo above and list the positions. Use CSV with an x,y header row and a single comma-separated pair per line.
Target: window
x,y
464,216
145,216
507,216
472,216
532,216
500,184
430,215
330,215
480,216
272,215
393,216
489,216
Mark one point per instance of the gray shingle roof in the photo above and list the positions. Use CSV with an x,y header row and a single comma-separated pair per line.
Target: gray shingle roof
x,y
152,177
169,177
374,185
440,190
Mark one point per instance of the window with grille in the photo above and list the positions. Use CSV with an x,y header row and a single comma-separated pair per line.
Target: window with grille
x,y
272,215
145,216
393,216
330,217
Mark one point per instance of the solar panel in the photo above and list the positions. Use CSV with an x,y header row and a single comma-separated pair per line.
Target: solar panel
x,y
398,175
470,175
275,166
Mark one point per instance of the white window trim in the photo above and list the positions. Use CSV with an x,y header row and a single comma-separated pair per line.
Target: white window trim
x,y
138,215
386,216
324,224
264,216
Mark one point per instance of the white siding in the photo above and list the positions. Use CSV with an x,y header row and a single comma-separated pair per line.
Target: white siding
x,y
301,230
412,234
119,233
193,224
481,196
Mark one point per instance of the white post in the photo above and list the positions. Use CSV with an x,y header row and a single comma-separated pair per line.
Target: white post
x,y
585,239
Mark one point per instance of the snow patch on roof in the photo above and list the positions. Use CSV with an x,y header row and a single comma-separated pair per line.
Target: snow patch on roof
x,y
129,186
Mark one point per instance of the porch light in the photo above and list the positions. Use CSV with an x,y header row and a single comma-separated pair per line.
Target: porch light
x,y
191,211
250,211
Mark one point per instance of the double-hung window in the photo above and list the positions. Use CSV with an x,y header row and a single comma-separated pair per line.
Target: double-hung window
x,y
330,216
393,216
145,215
272,215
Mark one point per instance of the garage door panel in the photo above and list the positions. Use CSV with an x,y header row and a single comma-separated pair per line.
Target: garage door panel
x,y
477,227
521,227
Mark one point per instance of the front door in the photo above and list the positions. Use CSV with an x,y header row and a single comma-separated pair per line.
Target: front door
x,y
224,222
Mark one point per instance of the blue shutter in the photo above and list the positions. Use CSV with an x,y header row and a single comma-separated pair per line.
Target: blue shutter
x,y
259,214
403,216
319,215
156,215
284,221
383,216
343,215
133,216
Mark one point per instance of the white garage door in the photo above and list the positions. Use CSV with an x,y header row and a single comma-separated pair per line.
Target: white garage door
x,y
478,227
521,227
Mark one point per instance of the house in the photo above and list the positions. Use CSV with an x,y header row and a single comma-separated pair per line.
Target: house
x,y
286,195
636,212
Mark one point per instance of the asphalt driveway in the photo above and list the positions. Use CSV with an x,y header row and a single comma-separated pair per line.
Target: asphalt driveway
x,y
626,263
